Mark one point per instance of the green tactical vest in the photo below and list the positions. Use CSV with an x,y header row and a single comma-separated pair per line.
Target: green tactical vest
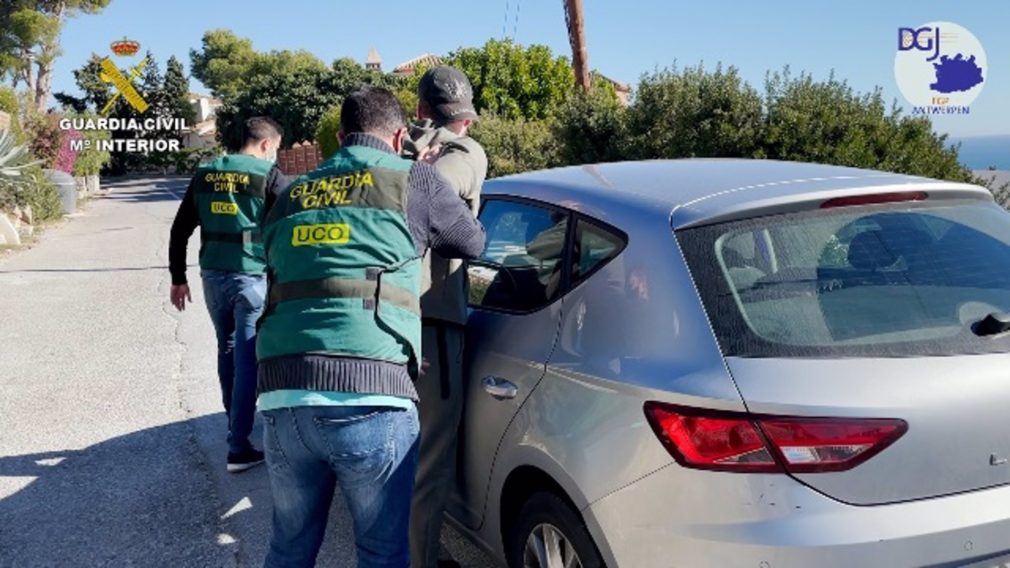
x,y
344,270
229,198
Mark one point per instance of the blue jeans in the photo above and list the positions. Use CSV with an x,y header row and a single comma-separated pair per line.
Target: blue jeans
x,y
370,451
235,302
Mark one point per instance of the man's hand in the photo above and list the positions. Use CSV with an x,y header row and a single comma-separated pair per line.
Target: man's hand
x,y
424,366
180,294
430,154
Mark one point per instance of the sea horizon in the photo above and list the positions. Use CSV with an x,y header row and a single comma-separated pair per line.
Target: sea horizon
x,y
983,152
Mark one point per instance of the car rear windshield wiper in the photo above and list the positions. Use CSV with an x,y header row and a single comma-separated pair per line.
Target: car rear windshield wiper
x,y
992,324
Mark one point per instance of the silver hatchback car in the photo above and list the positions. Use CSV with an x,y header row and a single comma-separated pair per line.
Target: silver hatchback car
x,y
737,363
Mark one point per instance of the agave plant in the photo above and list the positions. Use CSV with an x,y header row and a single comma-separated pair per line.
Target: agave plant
x,y
15,161
14,157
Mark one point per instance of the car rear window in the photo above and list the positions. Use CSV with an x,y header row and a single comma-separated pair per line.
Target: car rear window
x,y
891,280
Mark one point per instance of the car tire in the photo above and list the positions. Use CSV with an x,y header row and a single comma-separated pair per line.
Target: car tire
x,y
542,513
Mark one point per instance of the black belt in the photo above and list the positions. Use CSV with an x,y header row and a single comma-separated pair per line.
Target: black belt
x,y
241,238
335,287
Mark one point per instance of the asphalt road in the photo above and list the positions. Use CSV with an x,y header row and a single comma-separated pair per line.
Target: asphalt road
x,y
112,449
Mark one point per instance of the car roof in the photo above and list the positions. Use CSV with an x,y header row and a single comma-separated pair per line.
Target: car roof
x,y
692,192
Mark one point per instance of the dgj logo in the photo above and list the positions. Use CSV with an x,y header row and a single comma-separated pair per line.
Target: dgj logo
x,y
940,68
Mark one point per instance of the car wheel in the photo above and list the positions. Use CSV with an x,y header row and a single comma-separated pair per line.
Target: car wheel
x,y
550,534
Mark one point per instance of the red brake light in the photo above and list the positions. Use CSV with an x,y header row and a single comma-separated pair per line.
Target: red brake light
x,y
875,199
739,442
717,441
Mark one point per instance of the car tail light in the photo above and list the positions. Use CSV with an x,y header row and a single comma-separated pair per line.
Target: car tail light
x,y
875,199
740,442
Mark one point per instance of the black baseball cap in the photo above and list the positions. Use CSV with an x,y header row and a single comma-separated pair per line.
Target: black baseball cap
x,y
448,93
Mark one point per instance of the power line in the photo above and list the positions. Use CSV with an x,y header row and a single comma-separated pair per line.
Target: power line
x,y
515,24
505,21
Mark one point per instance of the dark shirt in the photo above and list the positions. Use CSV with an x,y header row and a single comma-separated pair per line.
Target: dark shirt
x,y
187,219
438,219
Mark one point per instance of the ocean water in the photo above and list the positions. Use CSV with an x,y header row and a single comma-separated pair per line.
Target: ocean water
x,y
983,152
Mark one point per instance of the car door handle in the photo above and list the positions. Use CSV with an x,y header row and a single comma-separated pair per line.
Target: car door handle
x,y
499,388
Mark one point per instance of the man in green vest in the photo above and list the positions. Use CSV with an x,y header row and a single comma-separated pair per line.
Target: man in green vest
x,y
225,199
340,342
445,112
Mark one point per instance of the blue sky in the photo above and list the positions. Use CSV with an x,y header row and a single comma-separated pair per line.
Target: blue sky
x,y
626,38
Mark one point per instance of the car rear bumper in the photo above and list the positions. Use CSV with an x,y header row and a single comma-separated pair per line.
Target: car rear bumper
x,y
680,517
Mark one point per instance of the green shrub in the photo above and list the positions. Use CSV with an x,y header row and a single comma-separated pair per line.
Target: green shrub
x,y
43,197
16,163
8,101
514,146
830,123
408,100
9,105
46,137
187,160
297,100
326,133
91,160
514,81
694,113
23,182
592,128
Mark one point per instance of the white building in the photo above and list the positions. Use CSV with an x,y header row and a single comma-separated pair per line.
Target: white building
x,y
203,132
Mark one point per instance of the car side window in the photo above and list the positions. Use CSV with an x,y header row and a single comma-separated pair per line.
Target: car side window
x,y
520,269
594,247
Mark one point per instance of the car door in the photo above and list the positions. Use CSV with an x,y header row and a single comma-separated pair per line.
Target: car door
x,y
513,324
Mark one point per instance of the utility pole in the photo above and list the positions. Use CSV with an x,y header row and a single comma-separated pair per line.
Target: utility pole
x,y
577,37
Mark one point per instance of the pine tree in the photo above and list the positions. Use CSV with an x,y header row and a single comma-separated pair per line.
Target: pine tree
x,y
175,92
150,86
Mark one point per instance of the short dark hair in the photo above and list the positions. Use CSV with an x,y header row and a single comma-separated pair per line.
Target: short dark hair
x,y
260,128
373,110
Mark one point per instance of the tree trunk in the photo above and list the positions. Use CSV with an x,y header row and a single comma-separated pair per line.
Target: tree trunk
x,y
44,82
43,87
30,78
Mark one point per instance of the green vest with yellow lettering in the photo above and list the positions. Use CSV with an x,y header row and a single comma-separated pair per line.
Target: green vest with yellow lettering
x,y
228,193
344,269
